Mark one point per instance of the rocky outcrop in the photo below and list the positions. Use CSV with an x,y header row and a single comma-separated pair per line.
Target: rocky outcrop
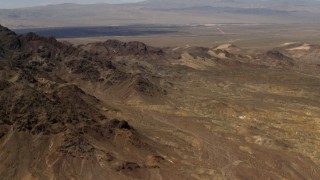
x,y
278,58
9,42
113,48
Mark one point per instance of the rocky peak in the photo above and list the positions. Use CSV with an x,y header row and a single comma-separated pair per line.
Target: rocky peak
x,y
131,48
276,55
116,44
32,37
6,31
8,39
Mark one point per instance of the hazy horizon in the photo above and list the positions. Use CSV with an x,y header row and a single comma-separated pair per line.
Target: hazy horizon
x,y
13,4
22,3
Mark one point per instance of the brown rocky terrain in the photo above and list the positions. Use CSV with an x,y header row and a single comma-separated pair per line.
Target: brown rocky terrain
x,y
126,110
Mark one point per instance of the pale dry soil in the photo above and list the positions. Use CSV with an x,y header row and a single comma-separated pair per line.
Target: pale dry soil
x,y
230,123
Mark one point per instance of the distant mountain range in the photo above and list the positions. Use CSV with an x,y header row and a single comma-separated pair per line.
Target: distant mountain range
x,y
163,12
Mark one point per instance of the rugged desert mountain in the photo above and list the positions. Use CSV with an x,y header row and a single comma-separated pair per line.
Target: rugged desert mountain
x,y
49,125
126,110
